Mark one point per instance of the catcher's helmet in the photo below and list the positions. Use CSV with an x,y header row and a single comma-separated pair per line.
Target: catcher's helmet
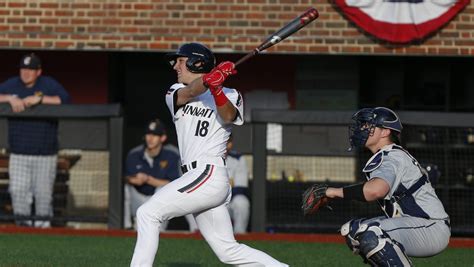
x,y
365,121
200,58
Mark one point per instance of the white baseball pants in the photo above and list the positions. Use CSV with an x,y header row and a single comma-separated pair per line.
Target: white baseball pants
x,y
134,199
420,237
204,192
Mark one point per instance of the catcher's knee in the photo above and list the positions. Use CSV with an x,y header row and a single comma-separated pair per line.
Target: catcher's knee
x,y
350,230
373,244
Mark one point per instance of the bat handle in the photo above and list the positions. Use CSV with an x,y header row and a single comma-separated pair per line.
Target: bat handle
x,y
244,58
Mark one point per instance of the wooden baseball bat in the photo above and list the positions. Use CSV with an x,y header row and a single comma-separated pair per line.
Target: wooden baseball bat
x,y
292,27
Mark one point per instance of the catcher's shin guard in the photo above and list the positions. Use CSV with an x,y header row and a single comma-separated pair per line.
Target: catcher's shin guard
x,y
350,230
374,245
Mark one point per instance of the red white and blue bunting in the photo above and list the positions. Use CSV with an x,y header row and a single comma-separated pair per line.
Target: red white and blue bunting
x,y
401,21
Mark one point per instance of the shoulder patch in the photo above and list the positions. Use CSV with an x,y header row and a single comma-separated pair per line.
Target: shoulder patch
x,y
163,164
375,161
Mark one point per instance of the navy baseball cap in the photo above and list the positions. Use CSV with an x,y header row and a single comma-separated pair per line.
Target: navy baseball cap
x,y
155,127
30,61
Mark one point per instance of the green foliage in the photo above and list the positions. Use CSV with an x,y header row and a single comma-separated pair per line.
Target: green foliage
x,y
51,250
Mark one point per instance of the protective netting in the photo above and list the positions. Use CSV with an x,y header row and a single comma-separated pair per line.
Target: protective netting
x,y
80,188
60,174
89,184
446,152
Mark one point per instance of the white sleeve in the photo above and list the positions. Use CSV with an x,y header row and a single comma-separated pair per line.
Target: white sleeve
x,y
237,100
169,98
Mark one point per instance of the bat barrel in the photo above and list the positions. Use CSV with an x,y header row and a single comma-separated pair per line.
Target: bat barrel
x,y
289,29
309,16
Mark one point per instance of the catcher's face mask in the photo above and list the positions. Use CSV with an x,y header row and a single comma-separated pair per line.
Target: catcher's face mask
x,y
365,121
362,127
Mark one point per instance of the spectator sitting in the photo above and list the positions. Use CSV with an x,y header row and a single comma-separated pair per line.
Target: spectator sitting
x,y
148,167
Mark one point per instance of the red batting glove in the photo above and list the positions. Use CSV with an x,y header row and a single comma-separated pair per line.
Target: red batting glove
x,y
216,91
219,97
217,75
227,68
214,78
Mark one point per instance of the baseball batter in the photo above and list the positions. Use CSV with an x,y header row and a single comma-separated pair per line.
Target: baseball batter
x,y
203,112
416,223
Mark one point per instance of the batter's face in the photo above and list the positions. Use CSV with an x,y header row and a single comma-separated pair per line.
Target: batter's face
x,y
29,76
184,75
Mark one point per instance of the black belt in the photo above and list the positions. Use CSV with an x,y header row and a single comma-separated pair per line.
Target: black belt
x,y
184,168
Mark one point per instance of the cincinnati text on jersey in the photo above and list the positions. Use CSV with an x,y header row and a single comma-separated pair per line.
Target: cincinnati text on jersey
x,y
197,111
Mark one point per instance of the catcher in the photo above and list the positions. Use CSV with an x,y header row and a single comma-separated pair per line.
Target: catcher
x,y
415,222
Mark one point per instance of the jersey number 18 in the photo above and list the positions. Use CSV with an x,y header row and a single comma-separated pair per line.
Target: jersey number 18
x,y
202,128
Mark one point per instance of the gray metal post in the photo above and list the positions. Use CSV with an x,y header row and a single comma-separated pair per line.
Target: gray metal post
x,y
115,214
259,146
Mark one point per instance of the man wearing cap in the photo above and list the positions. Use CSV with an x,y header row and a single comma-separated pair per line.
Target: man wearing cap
x,y
148,167
33,143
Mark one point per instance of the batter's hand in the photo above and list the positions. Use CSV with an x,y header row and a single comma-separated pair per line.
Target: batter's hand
x,y
214,78
227,68
217,75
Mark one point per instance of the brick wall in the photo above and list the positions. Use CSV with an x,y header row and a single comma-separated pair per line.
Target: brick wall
x,y
229,25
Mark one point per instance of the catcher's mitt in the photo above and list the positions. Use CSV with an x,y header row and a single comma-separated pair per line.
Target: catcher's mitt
x,y
314,198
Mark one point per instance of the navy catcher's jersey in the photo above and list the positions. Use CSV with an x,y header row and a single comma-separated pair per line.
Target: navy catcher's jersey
x,y
202,135
401,171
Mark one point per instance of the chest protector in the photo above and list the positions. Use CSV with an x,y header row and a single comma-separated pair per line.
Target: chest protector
x,y
402,201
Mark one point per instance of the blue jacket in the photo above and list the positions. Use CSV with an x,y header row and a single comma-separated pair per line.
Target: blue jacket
x,y
165,166
33,136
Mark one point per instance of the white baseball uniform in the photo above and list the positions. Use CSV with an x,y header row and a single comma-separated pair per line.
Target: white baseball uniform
x,y
203,190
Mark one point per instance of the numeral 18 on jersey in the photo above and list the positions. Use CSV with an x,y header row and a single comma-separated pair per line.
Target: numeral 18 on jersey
x,y
202,128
